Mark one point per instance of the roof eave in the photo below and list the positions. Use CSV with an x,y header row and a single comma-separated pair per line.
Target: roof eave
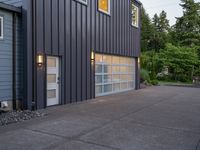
x,y
10,8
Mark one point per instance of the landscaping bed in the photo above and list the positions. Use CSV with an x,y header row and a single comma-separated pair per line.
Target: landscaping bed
x,y
179,84
18,116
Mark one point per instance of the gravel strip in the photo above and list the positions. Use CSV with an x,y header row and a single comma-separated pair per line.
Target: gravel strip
x,y
18,116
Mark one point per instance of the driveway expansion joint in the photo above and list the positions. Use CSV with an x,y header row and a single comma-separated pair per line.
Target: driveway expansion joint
x,y
198,146
72,139
101,145
50,134
124,116
96,127
167,128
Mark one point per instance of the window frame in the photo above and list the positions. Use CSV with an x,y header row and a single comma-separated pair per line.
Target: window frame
x,y
137,15
82,2
2,28
103,11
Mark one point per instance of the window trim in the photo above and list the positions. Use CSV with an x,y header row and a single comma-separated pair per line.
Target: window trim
x,y
137,16
105,12
2,27
81,1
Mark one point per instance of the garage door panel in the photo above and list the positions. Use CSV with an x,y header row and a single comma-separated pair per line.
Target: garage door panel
x,y
114,74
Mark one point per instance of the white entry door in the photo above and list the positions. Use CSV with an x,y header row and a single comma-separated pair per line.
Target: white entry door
x,y
53,78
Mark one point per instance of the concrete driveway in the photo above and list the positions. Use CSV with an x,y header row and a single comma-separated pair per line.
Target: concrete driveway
x,y
156,118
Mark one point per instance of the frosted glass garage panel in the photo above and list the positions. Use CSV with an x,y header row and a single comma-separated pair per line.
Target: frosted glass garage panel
x,y
114,74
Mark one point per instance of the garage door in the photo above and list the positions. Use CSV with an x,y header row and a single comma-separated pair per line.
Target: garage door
x,y
113,74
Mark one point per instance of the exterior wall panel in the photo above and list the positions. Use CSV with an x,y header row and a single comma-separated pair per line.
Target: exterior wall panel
x,y
79,51
84,54
47,24
19,59
89,47
17,3
74,52
6,59
67,52
71,30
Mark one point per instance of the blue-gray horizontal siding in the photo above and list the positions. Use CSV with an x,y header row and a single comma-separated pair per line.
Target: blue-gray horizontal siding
x,y
17,3
19,59
6,70
6,59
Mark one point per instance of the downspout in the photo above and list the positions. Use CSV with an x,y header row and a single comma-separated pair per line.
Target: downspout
x,y
14,61
34,105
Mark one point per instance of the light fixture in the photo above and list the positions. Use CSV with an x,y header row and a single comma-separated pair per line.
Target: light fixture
x,y
138,60
92,56
40,60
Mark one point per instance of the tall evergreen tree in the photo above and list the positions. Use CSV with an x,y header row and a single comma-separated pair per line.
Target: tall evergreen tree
x,y
156,21
163,25
161,28
147,31
187,27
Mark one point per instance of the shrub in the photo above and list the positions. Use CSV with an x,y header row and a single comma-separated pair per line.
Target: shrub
x,y
154,82
167,78
144,75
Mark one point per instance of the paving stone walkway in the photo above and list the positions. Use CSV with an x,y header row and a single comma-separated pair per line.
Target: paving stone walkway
x,y
155,118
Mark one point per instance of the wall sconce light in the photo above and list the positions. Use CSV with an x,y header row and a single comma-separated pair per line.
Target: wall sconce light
x,y
92,56
138,60
40,60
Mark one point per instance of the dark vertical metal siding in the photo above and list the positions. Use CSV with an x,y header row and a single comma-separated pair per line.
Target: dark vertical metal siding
x,y
67,57
28,55
67,32
89,47
39,38
115,35
84,55
137,36
74,51
70,30
47,24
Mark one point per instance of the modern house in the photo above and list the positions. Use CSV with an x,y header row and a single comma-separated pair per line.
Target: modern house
x,y
55,52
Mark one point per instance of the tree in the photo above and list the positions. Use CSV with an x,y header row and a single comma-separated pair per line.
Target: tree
x,y
180,56
156,21
182,61
161,28
161,23
147,31
187,27
150,61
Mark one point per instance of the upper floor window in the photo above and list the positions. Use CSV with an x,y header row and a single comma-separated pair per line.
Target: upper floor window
x,y
134,15
1,27
104,6
83,1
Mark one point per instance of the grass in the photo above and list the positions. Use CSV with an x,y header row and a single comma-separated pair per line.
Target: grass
x,y
174,83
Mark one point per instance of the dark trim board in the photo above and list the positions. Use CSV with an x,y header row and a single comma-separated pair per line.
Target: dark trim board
x,y
71,30
14,26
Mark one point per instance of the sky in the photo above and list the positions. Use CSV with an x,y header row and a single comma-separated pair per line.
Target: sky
x,y
172,8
